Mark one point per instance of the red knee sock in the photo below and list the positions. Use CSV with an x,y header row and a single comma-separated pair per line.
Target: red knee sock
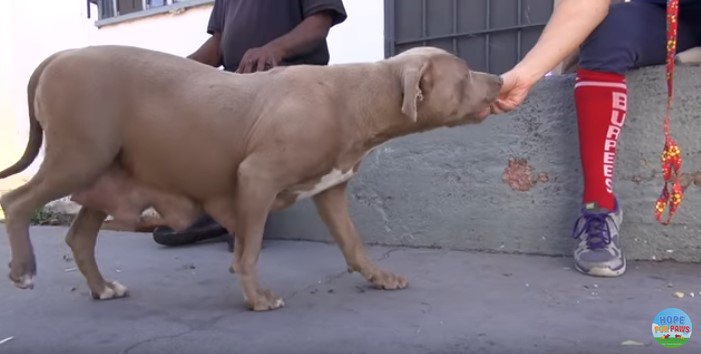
x,y
600,98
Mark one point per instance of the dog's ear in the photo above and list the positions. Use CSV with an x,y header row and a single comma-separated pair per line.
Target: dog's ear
x,y
411,87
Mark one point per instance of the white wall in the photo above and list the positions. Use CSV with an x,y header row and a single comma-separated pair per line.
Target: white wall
x,y
361,37
9,133
35,29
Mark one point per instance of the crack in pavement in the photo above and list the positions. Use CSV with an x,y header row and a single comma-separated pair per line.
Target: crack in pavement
x,y
386,255
171,336
203,325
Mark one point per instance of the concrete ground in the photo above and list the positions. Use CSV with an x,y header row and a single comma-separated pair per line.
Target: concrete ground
x,y
184,300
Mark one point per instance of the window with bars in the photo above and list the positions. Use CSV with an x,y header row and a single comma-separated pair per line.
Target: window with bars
x,y
491,35
114,8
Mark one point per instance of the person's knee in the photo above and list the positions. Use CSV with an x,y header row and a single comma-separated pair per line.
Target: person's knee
x,y
611,47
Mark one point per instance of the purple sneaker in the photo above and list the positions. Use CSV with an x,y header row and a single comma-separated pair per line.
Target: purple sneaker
x,y
599,251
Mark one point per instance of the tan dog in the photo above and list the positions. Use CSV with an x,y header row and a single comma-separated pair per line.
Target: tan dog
x,y
129,128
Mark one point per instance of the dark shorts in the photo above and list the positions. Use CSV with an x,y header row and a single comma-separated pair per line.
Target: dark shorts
x,y
634,35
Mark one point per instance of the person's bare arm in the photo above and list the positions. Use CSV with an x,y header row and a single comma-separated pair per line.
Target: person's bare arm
x,y
569,26
303,38
210,52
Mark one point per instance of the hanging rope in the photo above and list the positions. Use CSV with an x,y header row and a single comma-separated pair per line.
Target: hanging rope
x,y
671,158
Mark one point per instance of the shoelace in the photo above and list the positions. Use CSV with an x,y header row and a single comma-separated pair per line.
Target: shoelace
x,y
596,228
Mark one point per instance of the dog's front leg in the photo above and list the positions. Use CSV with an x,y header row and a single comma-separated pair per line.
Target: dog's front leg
x,y
332,205
254,197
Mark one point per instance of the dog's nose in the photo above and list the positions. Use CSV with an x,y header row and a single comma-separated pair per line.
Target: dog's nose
x,y
497,80
495,86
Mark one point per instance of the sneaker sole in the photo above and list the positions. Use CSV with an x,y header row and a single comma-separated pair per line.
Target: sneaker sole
x,y
603,272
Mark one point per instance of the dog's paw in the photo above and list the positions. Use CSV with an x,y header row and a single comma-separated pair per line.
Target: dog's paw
x,y
22,274
265,300
386,280
111,290
23,281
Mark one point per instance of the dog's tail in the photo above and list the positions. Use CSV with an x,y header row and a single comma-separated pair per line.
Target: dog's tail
x,y
36,133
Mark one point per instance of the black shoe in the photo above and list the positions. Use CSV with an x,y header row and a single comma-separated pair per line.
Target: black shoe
x,y
230,241
203,229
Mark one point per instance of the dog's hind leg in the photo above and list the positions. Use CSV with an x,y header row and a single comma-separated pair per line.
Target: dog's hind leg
x,y
332,206
82,237
19,206
63,171
17,219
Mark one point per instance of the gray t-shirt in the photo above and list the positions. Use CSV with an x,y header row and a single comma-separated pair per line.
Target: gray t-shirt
x,y
246,24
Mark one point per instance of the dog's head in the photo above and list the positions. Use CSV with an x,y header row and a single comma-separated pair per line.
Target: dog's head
x,y
438,88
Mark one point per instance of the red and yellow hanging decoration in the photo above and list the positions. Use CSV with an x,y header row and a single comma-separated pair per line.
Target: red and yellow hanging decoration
x,y
671,158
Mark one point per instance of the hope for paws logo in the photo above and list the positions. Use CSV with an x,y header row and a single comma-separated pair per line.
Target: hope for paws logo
x,y
671,328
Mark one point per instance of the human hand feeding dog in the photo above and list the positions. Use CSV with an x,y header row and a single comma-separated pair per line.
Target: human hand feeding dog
x,y
256,143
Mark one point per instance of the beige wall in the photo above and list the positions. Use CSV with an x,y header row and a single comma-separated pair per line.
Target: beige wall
x,y
179,33
8,126
29,32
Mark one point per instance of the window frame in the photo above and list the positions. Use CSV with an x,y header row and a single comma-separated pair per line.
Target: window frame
x,y
171,5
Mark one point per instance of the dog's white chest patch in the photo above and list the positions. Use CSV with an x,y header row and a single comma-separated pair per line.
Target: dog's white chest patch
x,y
327,181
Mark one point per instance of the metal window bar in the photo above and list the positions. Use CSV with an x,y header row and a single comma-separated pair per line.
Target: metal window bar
x,y
519,11
390,28
488,24
455,27
423,21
